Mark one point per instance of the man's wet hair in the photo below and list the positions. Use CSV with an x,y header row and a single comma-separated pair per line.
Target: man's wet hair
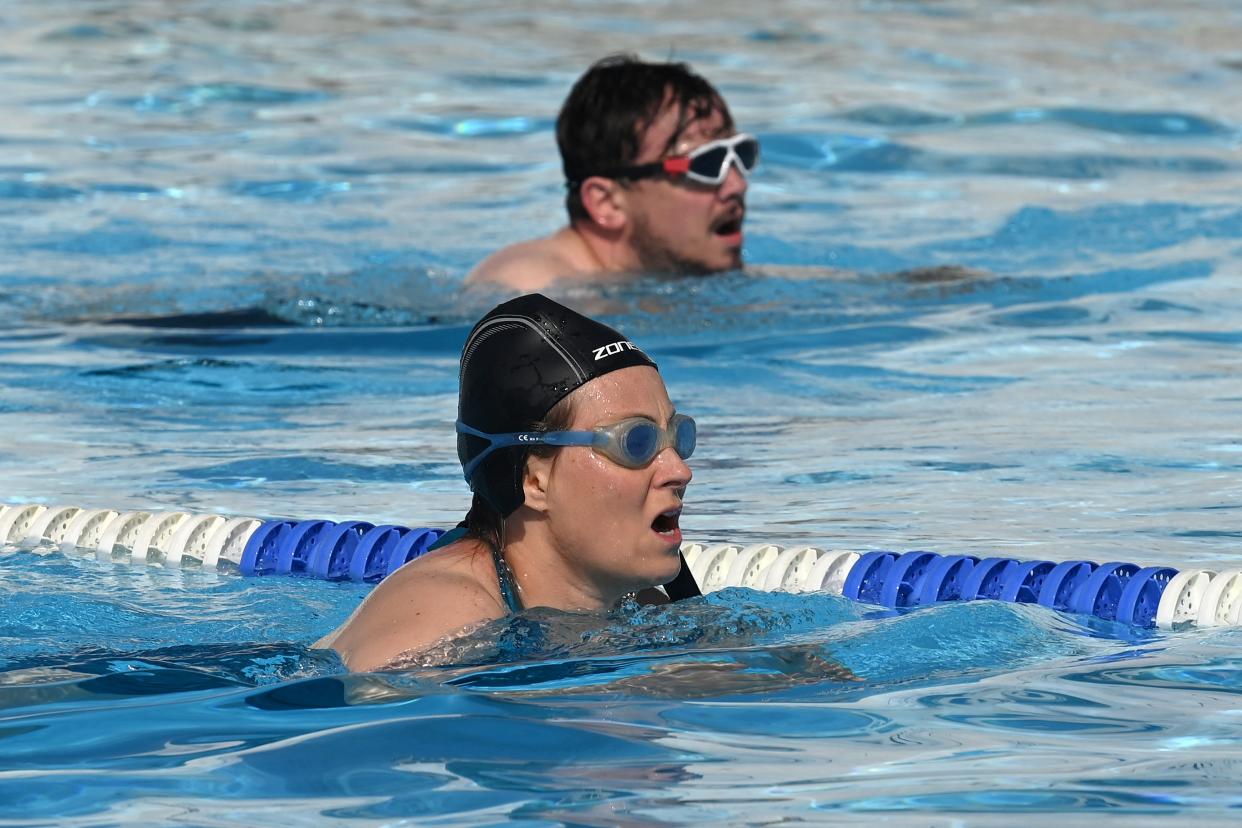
x,y
602,122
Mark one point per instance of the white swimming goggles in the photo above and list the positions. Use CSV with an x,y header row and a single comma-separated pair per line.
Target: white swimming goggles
x,y
633,442
705,164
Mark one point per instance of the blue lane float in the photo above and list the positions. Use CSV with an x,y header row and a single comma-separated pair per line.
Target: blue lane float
x,y
355,550
350,550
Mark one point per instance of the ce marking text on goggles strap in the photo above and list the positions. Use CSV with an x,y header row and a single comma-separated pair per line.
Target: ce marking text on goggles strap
x,y
705,164
632,443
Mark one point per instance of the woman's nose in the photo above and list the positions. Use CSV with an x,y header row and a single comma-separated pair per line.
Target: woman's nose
x,y
673,470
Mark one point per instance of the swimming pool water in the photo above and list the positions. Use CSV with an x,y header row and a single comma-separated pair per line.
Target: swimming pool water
x,y
991,310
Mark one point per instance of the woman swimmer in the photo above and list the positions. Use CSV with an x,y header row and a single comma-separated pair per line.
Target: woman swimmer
x,y
576,458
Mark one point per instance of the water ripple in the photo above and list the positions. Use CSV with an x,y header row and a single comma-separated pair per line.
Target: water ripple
x,y
876,156
32,191
190,98
474,127
258,470
1117,122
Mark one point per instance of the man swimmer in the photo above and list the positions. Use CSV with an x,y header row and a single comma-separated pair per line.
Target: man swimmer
x,y
577,460
656,179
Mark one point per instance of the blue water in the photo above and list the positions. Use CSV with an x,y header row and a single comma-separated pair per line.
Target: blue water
x,y
991,309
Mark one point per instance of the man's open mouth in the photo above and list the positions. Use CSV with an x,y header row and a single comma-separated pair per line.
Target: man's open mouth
x,y
729,226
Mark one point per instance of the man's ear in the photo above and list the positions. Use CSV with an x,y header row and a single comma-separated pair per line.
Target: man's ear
x,y
535,482
604,200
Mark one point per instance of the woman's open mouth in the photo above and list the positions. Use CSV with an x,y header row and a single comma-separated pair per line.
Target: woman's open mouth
x,y
666,525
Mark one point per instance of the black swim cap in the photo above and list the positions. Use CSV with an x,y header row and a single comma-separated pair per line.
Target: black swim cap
x,y
521,359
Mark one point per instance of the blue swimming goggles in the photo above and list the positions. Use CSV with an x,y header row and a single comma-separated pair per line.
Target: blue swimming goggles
x,y
632,443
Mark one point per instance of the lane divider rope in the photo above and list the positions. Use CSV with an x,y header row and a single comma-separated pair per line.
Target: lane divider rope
x,y
360,551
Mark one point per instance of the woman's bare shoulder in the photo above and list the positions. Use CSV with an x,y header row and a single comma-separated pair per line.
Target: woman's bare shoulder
x,y
421,603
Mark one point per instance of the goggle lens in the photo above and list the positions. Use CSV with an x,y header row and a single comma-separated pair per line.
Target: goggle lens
x,y
748,153
640,442
710,163
635,443
686,438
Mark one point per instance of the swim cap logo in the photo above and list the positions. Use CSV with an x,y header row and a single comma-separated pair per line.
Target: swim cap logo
x,y
615,348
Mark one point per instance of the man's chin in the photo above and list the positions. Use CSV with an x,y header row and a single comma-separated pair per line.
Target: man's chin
x,y
724,261
725,265
731,259
670,263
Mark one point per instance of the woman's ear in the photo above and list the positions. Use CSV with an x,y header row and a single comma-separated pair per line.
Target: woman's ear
x,y
604,200
535,482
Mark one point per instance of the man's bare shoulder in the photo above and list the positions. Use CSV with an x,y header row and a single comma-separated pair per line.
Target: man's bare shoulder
x,y
421,603
533,264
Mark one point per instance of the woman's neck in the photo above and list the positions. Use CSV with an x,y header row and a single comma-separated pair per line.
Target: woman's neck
x,y
546,576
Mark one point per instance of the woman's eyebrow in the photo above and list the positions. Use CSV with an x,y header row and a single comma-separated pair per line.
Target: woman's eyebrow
x,y
641,415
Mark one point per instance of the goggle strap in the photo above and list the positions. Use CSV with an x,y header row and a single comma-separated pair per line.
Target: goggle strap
x,y
521,438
